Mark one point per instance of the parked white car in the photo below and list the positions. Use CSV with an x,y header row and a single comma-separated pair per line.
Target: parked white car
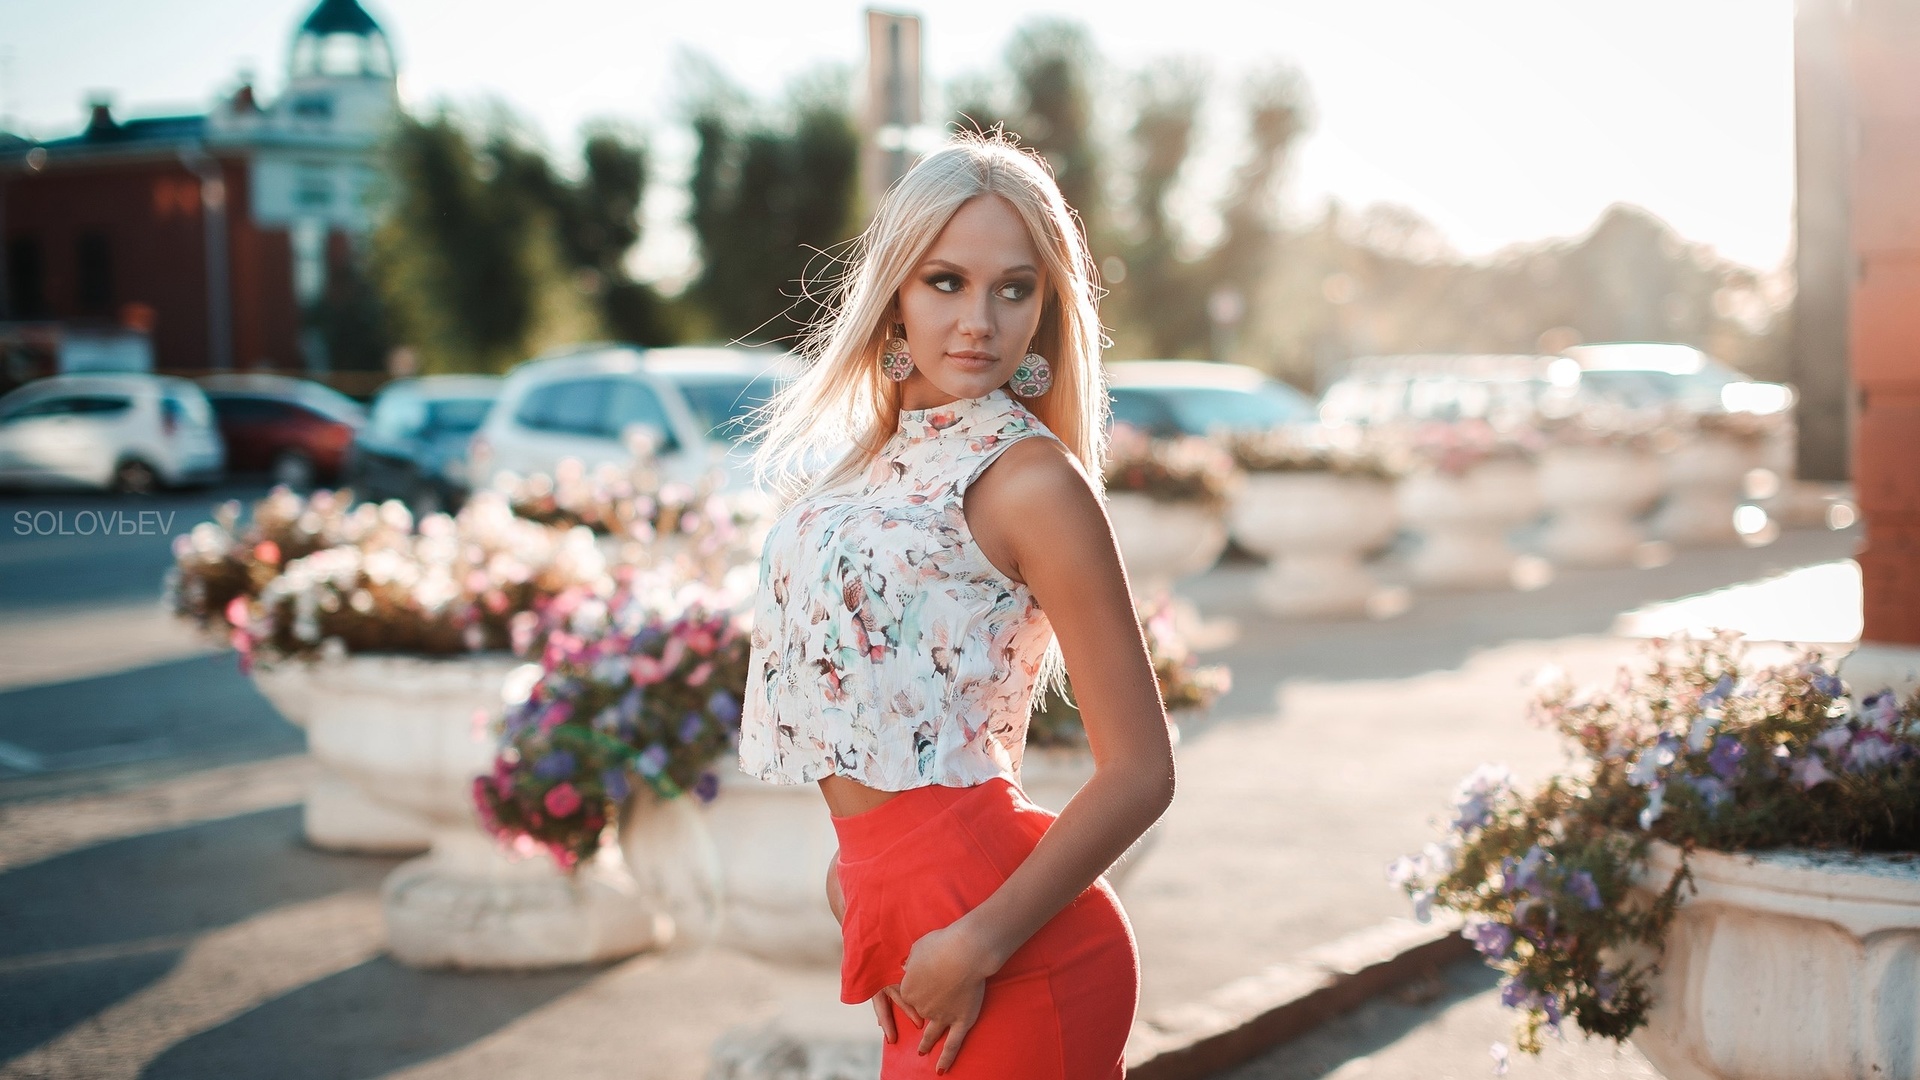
x,y
124,432
590,402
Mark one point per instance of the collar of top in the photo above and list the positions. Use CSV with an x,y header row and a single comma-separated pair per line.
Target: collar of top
x,y
963,415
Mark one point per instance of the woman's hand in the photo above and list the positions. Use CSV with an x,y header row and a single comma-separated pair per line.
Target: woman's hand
x,y
943,987
883,1005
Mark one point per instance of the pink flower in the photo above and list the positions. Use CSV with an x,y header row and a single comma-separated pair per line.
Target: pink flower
x,y
556,714
243,643
699,676
701,640
648,670
562,801
237,611
484,804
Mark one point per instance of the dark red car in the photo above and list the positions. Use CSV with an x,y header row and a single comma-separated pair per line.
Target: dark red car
x,y
295,431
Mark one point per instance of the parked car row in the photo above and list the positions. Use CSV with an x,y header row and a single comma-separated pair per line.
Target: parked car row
x,y
432,439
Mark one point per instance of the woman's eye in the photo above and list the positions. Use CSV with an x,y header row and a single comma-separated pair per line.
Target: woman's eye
x,y
1015,290
945,283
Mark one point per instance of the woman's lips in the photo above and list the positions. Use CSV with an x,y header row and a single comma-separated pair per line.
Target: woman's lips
x,y
976,360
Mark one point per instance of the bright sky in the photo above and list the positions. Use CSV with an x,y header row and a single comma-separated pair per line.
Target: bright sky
x,y
1499,120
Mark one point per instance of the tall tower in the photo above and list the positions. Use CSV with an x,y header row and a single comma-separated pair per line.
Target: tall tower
x,y
341,77
314,150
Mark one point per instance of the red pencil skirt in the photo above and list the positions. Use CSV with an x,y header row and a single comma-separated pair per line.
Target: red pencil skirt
x,y
1060,1008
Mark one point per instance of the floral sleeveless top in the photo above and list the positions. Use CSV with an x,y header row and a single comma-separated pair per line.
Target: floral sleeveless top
x,y
886,647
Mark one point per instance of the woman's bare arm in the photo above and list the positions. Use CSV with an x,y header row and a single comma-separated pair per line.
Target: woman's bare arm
x,y
1036,517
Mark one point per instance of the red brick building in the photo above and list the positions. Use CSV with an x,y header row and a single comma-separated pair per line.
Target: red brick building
x,y
200,236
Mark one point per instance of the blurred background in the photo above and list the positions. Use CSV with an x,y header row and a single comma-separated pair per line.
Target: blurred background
x,y
392,342
354,192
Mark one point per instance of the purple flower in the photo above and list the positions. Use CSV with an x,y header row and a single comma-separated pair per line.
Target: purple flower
x,y
707,786
557,765
1647,766
651,761
1834,740
724,707
1810,773
1523,875
1581,887
630,703
1712,791
1726,757
1880,711
1423,905
1825,682
691,725
616,785
518,717
1476,796
1493,939
1872,750
1719,693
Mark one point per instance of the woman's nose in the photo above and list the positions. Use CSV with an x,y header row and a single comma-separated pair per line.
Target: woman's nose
x,y
976,319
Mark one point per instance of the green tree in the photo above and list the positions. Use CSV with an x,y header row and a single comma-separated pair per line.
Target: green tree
x,y
770,190
1053,63
1159,300
486,255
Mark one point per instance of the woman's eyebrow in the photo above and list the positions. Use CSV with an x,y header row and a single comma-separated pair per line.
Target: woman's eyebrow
x,y
962,271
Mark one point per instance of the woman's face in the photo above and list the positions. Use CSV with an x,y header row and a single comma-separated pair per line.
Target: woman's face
x,y
972,305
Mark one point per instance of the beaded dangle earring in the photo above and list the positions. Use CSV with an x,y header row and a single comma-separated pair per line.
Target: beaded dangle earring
x,y
1033,377
894,358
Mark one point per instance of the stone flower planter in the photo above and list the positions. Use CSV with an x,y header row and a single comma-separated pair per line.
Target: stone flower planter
x,y
1315,529
1706,478
748,870
336,816
1788,966
1595,494
1164,541
1463,521
410,733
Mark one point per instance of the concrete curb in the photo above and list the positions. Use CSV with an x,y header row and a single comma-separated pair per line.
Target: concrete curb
x,y
1249,1016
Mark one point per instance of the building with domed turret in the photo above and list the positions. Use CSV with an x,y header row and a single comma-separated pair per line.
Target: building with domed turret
x,y
194,243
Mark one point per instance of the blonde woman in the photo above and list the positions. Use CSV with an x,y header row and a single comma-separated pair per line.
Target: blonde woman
x,y
910,599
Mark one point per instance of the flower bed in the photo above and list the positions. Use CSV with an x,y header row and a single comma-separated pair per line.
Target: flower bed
x,y
639,689
310,577
1281,452
1703,751
1187,470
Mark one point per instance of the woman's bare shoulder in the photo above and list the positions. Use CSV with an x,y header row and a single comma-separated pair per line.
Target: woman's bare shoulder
x,y
1032,472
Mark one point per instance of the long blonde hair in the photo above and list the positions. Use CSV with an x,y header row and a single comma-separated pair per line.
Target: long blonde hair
x,y
843,397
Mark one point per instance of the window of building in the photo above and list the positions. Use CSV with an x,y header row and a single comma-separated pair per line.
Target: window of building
x,y
26,279
95,274
313,107
313,188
